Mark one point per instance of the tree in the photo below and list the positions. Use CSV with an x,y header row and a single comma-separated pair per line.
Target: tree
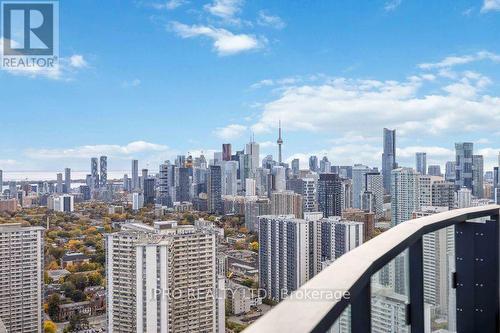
x,y
80,281
95,279
77,322
74,244
53,265
46,278
254,246
53,301
250,283
49,327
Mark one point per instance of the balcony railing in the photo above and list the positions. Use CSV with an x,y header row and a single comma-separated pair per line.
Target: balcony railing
x,y
476,278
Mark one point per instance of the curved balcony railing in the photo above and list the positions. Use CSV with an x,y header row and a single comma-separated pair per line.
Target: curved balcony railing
x,y
475,278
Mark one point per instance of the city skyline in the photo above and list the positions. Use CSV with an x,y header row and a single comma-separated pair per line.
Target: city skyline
x,y
434,93
408,160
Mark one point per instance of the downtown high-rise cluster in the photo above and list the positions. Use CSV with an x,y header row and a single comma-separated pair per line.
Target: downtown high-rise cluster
x,y
304,218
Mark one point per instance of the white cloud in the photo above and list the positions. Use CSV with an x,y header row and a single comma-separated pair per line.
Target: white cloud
x,y
352,137
225,9
452,61
371,154
268,20
345,154
482,141
286,81
224,41
88,151
435,108
229,132
169,5
392,5
340,105
468,11
65,69
262,83
7,163
77,61
490,5
268,144
434,151
132,83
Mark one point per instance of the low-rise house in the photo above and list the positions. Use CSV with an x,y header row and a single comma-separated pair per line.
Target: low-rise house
x,y
241,298
69,310
57,274
75,258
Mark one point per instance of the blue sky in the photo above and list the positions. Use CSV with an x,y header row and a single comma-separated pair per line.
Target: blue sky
x,y
153,79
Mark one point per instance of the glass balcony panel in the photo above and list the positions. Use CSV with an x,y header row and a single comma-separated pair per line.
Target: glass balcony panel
x,y
390,297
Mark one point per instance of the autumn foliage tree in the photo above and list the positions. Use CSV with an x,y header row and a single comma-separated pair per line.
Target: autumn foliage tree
x,y
49,327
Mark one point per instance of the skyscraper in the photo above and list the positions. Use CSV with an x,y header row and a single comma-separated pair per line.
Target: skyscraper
x,y
287,262
449,175
464,197
295,167
330,194
389,310
405,194
59,184
61,203
280,143
358,183
313,163
163,186
149,191
226,152
21,271
103,177
374,184
135,175
67,180
421,163
94,173
425,183
252,150
214,189
1,183
183,192
346,194
437,246
443,194
404,201
463,166
250,187
255,207
388,157
144,176
477,176
339,236
137,200
325,165
144,264
229,178
307,188
279,178
434,170
286,203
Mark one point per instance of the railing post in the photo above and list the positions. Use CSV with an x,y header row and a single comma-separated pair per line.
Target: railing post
x,y
477,276
416,276
361,321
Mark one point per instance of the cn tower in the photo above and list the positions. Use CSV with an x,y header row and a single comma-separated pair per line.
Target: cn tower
x,y
280,143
